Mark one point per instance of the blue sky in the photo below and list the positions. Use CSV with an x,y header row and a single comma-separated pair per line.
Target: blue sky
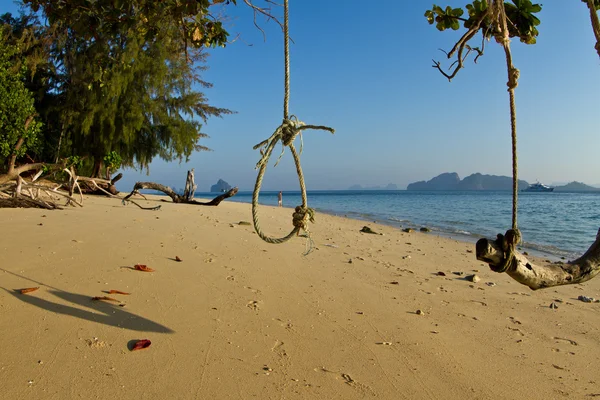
x,y
366,71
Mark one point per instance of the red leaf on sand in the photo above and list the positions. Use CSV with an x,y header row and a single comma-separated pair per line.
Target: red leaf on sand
x,y
28,290
141,344
105,298
112,291
142,267
178,259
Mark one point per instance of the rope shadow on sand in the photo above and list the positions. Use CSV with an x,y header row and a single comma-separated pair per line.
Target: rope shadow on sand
x,y
103,313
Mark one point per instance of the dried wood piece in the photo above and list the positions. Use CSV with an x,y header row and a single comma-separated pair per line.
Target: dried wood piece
x,y
537,276
142,267
28,290
113,291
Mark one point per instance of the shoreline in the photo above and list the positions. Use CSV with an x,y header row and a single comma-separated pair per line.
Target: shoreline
x,y
240,318
532,248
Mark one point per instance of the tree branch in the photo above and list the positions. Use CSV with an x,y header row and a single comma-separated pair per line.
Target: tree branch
x,y
518,267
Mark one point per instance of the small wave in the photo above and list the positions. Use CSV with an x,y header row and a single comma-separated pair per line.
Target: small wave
x,y
394,219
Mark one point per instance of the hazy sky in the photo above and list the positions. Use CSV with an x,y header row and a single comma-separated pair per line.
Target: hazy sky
x,y
366,71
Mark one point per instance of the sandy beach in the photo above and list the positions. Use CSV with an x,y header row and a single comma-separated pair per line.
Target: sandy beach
x,y
362,316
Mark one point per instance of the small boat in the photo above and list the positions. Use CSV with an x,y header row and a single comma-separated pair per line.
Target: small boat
x,y
538,187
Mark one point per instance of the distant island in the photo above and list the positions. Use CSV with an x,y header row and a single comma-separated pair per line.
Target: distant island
x,y
389,186
478,181
220,186
576,187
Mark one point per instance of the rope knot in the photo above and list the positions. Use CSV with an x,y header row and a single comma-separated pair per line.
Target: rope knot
x,y
507,242
301,217
289,131
513,78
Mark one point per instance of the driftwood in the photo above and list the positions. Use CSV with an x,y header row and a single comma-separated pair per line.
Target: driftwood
x,y
188,195
501,257
100,186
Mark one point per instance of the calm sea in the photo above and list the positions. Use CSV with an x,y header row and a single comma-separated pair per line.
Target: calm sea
x,y
557,223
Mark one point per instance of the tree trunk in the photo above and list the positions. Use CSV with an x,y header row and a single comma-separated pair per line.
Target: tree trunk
x,y
96,172
188,196
190,186
60,138
518,267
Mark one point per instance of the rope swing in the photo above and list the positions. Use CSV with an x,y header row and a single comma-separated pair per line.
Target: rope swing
x,y
286,133
513,236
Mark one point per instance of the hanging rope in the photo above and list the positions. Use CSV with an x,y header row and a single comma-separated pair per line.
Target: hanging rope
x,y
513,82
512,237
286,133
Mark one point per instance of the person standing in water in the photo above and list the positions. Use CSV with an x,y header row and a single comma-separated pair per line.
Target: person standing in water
x,y
280,198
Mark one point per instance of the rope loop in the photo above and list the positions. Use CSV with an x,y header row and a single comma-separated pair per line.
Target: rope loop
x,y
286,133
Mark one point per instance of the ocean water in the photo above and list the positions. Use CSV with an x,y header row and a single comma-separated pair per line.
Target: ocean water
x,y
557,223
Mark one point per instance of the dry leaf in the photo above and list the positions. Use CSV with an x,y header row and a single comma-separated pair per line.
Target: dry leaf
x,y
142,267
29,290
112,291
105,298
141,344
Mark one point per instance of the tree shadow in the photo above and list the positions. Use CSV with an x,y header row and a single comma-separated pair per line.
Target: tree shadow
x,y
100,312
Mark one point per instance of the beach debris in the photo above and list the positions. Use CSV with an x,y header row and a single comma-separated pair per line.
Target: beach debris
x,y
244,223
490,284
587,299
459,273
406,257
359,312
350,261
441,273
105,298
408,230
525,253
141,344
330,245
553,306
425,229
469,251
178,259
385,343
142,267
113,291
394,283
574,343
420,312
95,343
366,229
28,290
473,278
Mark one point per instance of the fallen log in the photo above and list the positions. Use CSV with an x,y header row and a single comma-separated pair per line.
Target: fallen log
x,y
176,197
188,196
500,255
